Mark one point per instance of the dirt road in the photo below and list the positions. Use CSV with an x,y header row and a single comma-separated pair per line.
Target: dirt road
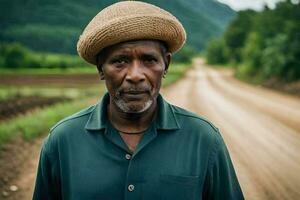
x,y
261,128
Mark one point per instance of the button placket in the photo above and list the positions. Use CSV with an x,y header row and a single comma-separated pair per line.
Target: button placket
x,y
133,188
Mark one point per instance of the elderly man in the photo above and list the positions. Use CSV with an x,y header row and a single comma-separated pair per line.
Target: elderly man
x,y
134,145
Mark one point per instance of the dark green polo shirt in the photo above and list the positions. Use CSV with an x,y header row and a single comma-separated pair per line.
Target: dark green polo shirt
x,y
180,157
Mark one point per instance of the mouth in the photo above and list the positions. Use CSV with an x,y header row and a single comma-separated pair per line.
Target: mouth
x,y
134,94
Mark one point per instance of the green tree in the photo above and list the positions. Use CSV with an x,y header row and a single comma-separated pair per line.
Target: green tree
x,y
237,33
14,55
274,59
265,44
185,54
216,52
251,56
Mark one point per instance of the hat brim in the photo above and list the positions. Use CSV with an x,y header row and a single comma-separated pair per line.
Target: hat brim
x,y
131,28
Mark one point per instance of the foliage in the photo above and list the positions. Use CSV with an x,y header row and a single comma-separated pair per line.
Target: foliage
x,y
252,52
264,45
55,25
184,55
236,34
59,39
216,52
16,56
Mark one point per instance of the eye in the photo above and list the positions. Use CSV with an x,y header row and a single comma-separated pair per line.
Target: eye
x,y
119,61
150,60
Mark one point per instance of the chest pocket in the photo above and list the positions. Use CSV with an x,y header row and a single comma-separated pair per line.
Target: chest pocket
x,y
179,187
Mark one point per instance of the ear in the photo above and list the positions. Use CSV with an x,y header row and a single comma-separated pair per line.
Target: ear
x,y
100,71
168,57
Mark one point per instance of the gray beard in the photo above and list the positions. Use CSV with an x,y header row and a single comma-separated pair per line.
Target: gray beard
x,y
123,106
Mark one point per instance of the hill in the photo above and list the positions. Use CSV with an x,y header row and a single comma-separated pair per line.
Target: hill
x,y
55,25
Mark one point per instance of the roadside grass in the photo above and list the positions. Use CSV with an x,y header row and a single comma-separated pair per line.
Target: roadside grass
x,y
175,72
39,121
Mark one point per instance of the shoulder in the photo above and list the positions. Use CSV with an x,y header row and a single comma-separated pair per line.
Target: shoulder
x,y
192,119
197,127
74,119
67,128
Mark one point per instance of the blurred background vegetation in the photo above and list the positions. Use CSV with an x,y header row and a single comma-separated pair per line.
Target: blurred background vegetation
x,y
53,28
261,46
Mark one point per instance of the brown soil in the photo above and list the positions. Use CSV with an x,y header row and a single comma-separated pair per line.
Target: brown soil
x,y
19,105
291,88
18,162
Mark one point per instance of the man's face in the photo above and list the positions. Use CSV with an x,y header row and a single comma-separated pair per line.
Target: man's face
x,y
133,72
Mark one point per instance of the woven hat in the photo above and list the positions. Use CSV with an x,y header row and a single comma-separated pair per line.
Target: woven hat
x,y
126,21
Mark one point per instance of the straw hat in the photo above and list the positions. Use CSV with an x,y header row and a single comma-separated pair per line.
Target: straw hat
x,y
129,20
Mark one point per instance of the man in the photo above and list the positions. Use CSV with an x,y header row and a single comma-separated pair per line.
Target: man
x,y
133,144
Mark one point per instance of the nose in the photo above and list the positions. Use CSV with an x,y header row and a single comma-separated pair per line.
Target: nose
x,y
135,73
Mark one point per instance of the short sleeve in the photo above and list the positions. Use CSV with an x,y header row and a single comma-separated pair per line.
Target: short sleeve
x,y
46,185
221,181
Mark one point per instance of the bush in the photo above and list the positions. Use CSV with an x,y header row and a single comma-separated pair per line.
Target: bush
x,y
216,52
252,51
14,55
184,55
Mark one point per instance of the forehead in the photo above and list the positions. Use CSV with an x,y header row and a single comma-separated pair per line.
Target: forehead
x,y
142,46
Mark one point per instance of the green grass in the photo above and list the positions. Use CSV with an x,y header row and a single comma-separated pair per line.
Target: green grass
x,y
175,72
47,71
69,92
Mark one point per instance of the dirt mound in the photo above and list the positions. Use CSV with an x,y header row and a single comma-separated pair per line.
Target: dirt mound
x,y
19,105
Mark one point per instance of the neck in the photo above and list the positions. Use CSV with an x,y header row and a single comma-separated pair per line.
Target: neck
x,y
131,122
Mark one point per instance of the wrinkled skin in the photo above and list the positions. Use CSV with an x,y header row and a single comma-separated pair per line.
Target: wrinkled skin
x,y
133,73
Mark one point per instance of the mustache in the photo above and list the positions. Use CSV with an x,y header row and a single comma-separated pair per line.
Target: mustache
x,y
134,88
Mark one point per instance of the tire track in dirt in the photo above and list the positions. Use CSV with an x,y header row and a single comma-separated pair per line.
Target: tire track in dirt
x,y
270,102
264,145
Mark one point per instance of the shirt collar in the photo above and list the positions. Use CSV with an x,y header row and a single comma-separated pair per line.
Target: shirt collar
x,y
98,118
166,118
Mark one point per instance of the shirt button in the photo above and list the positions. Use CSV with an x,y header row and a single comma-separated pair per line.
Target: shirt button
x,y
128,156
130,188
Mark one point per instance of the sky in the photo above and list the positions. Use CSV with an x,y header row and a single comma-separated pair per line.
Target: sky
x,y
249,4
